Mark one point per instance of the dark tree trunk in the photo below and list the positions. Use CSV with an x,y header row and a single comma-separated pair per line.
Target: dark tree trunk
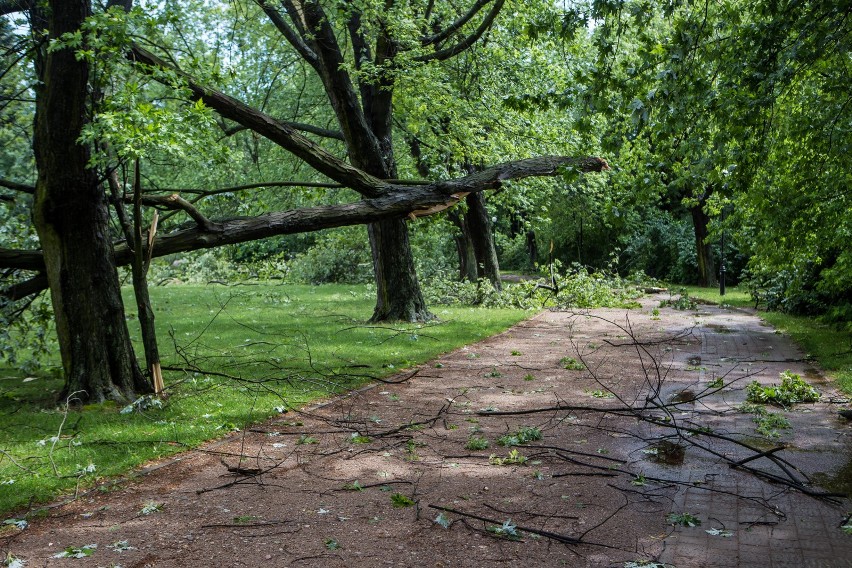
x,y
398,296
532,247
464,247
482,237
366,124
71,215
706,266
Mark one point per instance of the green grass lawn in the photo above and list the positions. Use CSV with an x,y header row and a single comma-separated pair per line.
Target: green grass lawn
x,y
283,346
734,296
829,346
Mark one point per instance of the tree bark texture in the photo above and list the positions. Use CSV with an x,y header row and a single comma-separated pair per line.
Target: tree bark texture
x,y
71,216
706,265
482,238
398,295
464,247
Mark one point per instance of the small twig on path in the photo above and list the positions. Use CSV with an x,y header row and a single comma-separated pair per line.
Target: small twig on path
x,y
239,470
547,534
379,484
585,474
244,525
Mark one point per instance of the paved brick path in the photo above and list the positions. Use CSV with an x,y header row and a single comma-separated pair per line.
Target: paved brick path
x,y
300,502
795,530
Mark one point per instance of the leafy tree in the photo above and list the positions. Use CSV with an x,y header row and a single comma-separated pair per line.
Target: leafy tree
x,y
477,113
71,213
790,192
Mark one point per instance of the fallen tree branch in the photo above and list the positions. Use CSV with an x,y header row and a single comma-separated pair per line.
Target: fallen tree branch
x,y
178,203
547,534
396,202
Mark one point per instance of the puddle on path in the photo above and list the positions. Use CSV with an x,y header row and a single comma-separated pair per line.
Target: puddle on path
x,y
837,482
718,328
666,452
683,396
815,377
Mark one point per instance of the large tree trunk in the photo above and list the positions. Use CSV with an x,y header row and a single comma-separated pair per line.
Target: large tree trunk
x,y
70,213
398,295
706,266
482,237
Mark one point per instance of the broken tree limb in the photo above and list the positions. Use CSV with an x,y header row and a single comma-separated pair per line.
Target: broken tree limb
x,y
16,186
397,202
178,203
274,130
757,456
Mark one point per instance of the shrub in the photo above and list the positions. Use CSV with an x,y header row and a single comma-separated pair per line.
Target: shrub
x,y
339,256
27,339
576,288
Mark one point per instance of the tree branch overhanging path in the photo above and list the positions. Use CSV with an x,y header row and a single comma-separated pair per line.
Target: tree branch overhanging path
x,y
383,199
396,201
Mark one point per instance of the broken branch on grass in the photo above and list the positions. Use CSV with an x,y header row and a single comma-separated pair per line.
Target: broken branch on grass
x,y
59,432
19,466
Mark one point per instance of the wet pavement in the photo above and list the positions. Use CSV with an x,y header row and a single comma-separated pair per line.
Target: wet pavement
x,y
747,521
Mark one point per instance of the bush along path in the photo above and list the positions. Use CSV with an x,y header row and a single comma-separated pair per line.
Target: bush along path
x,y
610,437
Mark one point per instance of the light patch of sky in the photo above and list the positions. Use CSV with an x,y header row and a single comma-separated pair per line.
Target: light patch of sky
x,y
19,21
215,32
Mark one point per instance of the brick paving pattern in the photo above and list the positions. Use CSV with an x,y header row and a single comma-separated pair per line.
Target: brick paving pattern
x,y
794,530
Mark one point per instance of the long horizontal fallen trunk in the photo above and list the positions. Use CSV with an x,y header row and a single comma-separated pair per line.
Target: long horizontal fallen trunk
x,y
398,201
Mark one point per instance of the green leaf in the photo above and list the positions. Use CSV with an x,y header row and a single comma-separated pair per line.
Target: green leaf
x,y
399,500
442,520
